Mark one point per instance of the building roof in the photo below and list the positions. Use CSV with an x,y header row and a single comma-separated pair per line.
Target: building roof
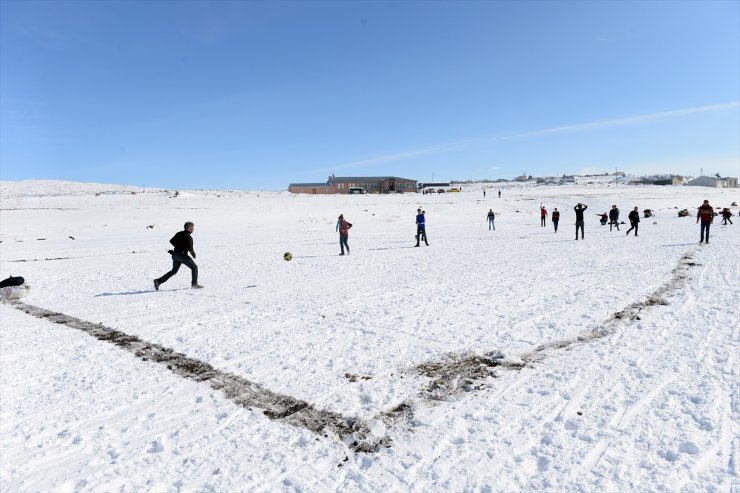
x,y
355,179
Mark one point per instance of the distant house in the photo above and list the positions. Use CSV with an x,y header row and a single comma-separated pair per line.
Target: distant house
x,y
674,180
353,184
710,181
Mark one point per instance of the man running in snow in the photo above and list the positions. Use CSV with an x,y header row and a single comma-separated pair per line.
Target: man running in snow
x,y
183,244
421,229
543,216
614,217
726,215
343,228
580,208
491,216
634,217
555,218
706,215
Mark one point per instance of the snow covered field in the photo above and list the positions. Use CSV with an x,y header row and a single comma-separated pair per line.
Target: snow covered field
x,y
508,360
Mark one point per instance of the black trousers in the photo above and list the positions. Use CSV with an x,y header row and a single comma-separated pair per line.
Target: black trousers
x,y
177,260
633,225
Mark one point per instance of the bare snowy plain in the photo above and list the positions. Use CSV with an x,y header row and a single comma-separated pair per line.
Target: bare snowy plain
x,y
508,360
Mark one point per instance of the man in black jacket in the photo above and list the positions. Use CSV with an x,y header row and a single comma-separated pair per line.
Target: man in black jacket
x,y
580,208
634,218
183,244
614,218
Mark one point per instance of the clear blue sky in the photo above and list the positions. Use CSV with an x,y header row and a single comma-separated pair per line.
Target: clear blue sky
x,y
254,95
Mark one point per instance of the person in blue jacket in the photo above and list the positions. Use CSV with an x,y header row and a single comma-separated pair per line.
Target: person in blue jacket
x,y
421,230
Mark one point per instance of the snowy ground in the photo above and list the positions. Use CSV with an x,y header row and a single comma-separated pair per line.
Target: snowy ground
x,y
617,357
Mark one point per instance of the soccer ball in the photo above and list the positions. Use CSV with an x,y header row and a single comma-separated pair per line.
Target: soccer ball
x,y
288,256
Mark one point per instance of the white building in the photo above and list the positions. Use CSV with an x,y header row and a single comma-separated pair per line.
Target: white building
x,y
710,181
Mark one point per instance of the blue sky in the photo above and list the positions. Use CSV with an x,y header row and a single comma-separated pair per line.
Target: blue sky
x,y
254,95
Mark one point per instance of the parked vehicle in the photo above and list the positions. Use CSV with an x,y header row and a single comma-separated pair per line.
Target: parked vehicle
x,y
357,190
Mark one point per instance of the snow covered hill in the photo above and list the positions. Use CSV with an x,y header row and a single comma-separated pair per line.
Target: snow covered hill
x,y
508,360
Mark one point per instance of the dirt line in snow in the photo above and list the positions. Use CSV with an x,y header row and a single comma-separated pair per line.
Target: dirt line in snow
x,y
353,432
463,372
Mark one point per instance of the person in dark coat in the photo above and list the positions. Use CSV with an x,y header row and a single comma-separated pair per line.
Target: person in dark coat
x,y
579,208
634,217
182,244
343,228
614,217
726,215
491,217
555,217
706,215
421,228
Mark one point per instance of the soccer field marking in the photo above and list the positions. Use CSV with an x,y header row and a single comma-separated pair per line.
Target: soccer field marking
x,y
453,374
354,432
460,372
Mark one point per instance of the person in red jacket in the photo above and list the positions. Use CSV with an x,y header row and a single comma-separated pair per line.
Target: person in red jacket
x,y
343,228
543,215
706,215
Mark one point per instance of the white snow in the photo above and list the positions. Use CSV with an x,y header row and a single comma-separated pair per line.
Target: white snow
x,y
652,406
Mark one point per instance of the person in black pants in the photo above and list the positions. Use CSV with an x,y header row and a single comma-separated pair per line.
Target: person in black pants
x,y
580,208
555,218
614,217
183,244
634,218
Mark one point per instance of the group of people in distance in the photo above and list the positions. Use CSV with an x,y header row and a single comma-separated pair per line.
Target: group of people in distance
x,y
182,242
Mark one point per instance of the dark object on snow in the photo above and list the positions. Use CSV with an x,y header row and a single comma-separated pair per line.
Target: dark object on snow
x,y
648,213
71,237
12,281
734,204
684,213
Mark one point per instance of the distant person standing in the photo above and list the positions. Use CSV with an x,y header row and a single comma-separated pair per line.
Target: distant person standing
x,y
499,194
491,216
614,217
484,193
706,215
421,227
634,217
343,228
183,244
555,217
579,208
543,216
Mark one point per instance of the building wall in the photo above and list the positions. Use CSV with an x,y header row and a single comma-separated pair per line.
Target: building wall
x,y
325,190
706,181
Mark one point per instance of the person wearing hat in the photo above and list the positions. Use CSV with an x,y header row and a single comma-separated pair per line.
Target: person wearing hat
x,y
343,228
421,230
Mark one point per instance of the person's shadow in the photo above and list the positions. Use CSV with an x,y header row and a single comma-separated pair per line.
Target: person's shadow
x,y
129,293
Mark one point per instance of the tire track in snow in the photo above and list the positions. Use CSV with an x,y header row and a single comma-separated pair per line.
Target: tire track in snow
x,y
353,432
